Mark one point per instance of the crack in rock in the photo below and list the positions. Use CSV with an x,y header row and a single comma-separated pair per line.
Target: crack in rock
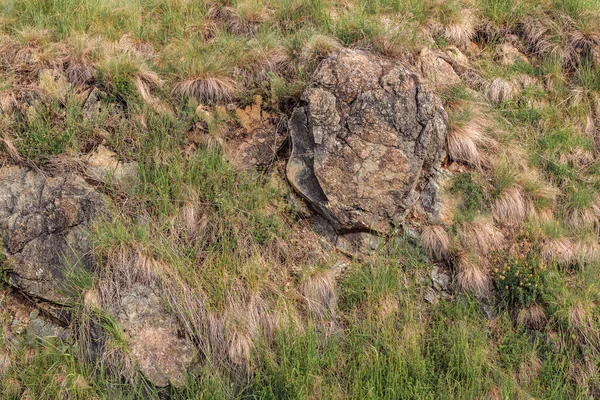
x,y
366,141
44,224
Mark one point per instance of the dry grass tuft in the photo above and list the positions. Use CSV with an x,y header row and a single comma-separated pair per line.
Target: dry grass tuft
x,y
510,209
529,369
533,317
538,34
568,253
436,241
125,268
209,89
190,222
319,292
582,218
500,90
464,142
481,235
461,32
156,104
472,275
7,141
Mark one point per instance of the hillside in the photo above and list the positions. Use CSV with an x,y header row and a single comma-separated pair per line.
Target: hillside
x,y
305,199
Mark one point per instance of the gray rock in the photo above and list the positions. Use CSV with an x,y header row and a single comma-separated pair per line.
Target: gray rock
x,y
155,345
44,223
41,329
103,165
440,279
367,140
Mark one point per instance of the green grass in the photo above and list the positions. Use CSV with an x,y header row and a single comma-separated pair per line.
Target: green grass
x,y
381,338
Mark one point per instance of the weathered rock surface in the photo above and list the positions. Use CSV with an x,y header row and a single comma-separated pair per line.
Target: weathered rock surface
x,y
161,354
367,140
44,222
436,70
257,143
509,55
103,165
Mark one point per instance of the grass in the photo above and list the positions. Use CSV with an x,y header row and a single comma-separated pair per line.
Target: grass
x,y
274,313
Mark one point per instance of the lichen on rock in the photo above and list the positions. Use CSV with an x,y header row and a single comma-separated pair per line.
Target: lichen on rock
x,y
44,223
366,141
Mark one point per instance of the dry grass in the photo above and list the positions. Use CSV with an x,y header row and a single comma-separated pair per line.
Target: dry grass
x,y
533,317
317,48
153,102
472,275
436,242
481,235
567,252
464,143
510,209
7,141
319,293
209,89
191,223
462,31
500,90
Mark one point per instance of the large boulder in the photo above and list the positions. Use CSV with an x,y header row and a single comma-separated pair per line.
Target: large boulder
x,y
44,225
366,141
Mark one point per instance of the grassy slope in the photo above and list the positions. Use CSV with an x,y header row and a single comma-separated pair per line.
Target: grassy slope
x,y
528,174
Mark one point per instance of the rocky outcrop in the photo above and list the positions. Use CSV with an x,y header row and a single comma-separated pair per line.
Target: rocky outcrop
x,y
44,223
367,140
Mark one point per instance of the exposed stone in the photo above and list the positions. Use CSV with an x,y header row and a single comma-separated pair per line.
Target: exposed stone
x,y
509,55
457,56
41,329
44,223
103,165
257,143
358,243
367,140
440,279
436,70
161,353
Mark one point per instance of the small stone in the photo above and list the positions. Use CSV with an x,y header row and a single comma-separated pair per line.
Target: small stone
x,y
40,329
104,166
440,279
431,296
436,70
509,55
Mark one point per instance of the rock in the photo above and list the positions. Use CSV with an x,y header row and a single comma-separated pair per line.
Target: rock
x,y
436,70
509,55
455,54
257,143
161,353
41,329
44,223
103,165
367,140
440,279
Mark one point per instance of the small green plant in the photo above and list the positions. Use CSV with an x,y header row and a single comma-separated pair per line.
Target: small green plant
x,y
472,196
520,275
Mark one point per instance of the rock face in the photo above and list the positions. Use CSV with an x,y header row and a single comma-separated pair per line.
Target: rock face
x,y
367,140
161,354
44,223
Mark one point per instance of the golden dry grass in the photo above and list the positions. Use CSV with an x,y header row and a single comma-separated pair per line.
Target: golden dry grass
x,y
436,242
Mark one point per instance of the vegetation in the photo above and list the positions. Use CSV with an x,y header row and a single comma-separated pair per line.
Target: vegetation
x,y
273,312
